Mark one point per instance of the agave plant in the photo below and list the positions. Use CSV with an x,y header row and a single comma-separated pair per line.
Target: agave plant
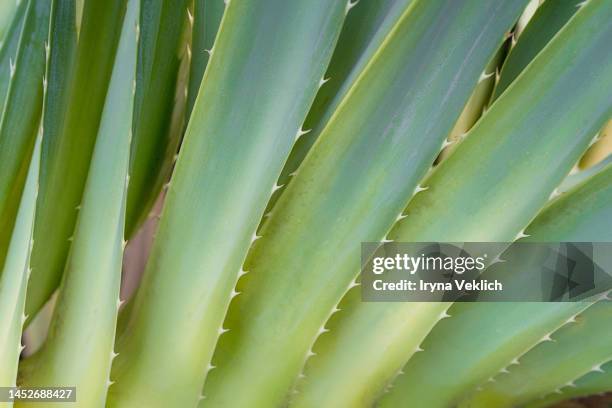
x,y
280,135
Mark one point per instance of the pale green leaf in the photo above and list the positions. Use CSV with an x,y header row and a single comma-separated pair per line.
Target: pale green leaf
x,y
267,62
71,127
79,349
350,188
14,278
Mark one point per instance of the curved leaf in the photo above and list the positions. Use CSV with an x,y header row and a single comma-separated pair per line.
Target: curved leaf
x,y
70,134
14,278
21,115
483,178
595,382
584,345
207,16
576,178
599,151
266,66
156,135
548,19
8,51
478,103
79,349
509,330
8,11
366,27
380,141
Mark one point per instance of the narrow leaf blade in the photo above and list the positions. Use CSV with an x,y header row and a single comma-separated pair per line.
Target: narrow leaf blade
x,y
233,152
79,349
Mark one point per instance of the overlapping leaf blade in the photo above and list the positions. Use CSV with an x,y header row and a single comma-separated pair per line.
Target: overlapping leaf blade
x,y
8,10
21,114
79,349
8,51
601,150
365,28
70,137
157,129
14,278
350,188
584,345
566,86
596,382
490,181
266,66
534,135
582,215
548,19
478,103
404,74
207,16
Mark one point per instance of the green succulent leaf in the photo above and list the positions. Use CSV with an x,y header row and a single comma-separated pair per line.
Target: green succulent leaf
x,y
485,176
267,63
277,137
574,179
526,16
582,214
14,278
490,337
600,149
548,19
79,348
364,30
585,346
351,187
156,132
8,11
71,127
207,16
550,114
21,114
8,51
597,381
478,103
508,330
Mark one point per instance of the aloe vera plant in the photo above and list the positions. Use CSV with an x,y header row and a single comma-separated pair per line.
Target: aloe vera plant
x,y
281,135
